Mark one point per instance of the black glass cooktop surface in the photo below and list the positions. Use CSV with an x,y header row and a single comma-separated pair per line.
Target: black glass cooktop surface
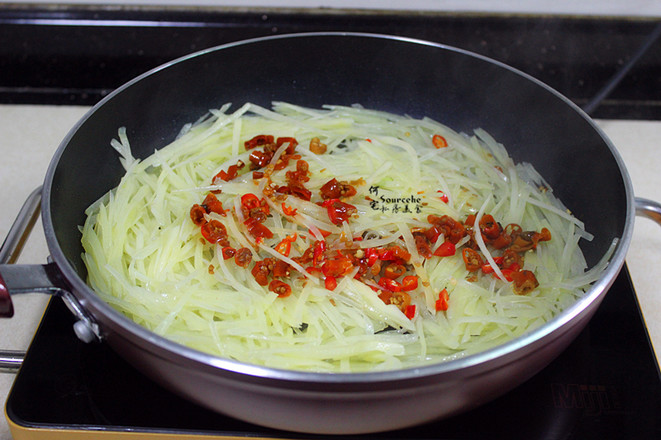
x,y
606,385
77,54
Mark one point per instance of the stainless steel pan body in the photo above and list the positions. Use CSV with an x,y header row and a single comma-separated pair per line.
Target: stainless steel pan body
x,y
463,90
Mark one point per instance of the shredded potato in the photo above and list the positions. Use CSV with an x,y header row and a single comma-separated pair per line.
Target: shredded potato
x,y
148,259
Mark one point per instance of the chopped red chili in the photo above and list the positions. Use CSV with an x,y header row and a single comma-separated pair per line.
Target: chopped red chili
x,y
394,253
228,252
489,227
296,189
281,269
388,266
212,204
249,201
524,281
316,146
512,230
231,173
400,299
254,208
508,234
544,235
314,271
197,215
394,271
472,259
260,158
390,285
261,271
318,252
508,274
288,210
529,239
511,259
409,282
243,257
284,247
338,266
410,311
335,190
330,282
258,141
488,268
375,269
215,232
439,141
432,233
293,143
257,229
371,255
301,175
281,288
451,228
338,211
446,249
502,241
422,245
442,302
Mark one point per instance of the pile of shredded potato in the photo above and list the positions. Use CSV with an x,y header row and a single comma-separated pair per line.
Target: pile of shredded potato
x,y
312,239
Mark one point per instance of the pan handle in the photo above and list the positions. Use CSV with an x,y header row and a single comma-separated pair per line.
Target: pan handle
x,y
20,278
648,208
21,228
14,242
24,278
34,278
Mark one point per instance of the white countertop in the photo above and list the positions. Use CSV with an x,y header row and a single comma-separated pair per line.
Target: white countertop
x,y
29,135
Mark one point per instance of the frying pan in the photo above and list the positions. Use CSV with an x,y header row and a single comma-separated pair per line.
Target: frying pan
x,y
398,75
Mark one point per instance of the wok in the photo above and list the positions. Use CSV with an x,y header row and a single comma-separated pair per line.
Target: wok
x,y
404,76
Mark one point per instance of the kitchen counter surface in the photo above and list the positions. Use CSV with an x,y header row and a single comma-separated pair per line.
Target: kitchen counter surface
x,y
30,134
